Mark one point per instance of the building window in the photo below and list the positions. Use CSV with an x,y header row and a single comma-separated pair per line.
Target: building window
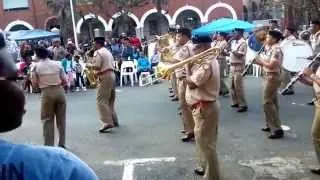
x,y
15,4
84,2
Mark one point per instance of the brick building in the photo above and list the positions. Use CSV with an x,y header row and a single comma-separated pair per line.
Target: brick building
x,y
29,14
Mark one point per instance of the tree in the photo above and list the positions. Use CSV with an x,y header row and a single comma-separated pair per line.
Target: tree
x,y
61,8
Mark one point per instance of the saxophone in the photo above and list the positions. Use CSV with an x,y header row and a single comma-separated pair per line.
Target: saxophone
x,y
90,73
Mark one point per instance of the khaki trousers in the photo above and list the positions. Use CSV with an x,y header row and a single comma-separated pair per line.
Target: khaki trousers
x,y
237,89
187,119
270,100
285,78
104,98
112,104
223,66
174,83
316,130
206,120
53,107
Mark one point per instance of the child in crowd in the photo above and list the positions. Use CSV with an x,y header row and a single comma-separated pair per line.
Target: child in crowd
x,y
80,84
68,69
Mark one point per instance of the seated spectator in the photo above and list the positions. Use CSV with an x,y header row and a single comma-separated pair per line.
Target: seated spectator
x,y
136,53
126,50
143,64
155,58
135,41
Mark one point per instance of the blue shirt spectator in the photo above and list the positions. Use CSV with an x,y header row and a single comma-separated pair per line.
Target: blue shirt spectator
x,y
143,64
32,162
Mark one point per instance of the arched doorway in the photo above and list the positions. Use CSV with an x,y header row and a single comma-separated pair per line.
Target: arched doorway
x,y
220,10
51,23
88,27
155,24
123,24
218,13
189,19
18,25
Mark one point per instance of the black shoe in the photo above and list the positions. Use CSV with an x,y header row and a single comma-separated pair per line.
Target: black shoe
x,y
105,128
235,106
175,99
243,109
187,138
266,129
276,135
171,95
311,103
179,113
315,171
224,93
199,171
62,146
116,124
183,131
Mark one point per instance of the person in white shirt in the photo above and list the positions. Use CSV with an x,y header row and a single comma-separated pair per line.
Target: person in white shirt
x,y
289,35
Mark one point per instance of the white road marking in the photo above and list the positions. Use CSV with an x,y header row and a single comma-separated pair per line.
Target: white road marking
x,y
129,164
285,128
118,90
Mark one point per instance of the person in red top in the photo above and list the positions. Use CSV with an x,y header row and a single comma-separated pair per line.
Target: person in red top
x,y
135,41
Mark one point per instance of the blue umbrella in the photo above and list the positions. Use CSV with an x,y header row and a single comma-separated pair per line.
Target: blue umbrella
x,y
223,25
31,34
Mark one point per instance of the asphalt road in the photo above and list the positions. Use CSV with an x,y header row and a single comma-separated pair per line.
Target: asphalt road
x,y
147,144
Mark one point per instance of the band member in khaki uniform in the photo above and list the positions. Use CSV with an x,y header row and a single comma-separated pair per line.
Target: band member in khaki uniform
x,y
183,38
202,95
313,79
315,44
271,63
103,62
237,61
289,34
221,43
49,76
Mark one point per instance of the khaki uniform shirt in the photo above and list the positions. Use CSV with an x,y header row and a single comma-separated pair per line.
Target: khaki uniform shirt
x,y
46,73
103,58
183,53
315,42
273,53
240,46
207,78
316,88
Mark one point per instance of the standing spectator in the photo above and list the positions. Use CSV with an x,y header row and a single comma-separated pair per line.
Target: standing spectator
x,y
58,51
79,77
67,65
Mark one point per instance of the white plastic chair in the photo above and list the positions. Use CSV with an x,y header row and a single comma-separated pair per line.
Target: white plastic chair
x,y
145,79
135,70
124,72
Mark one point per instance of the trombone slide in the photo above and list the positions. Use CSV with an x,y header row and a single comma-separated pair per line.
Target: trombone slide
x,y
247,67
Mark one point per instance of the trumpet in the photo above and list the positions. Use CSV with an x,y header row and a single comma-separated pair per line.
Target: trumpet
x,y
198,59
299,75
246,69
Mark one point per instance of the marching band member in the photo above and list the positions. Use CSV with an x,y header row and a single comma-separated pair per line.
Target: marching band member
x,y
103,62
183,38
221,43
49,76
237,61
271,64
202,95
289,35
315,44
313,79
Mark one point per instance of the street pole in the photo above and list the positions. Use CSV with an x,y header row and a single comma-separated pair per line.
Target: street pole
x,y
74,25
